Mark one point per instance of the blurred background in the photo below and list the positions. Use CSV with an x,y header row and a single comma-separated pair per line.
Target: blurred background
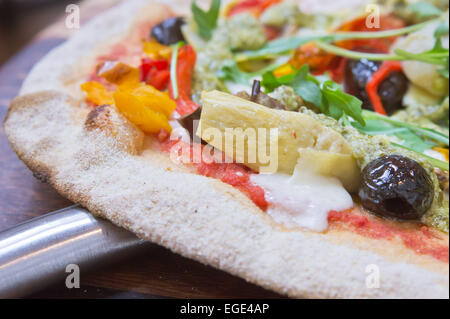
x,y
21,20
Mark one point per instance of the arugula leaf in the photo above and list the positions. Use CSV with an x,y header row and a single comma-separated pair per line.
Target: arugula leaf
x,y
319,91
330,98
231,71
376,127
438,55
425,10
408,138
441,30
414,141
277,47
206,20
339,100
308,90
271,82
433,161
426,132
411,137
286,44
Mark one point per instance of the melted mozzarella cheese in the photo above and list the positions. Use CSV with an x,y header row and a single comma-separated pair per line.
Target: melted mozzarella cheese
x,y
304,199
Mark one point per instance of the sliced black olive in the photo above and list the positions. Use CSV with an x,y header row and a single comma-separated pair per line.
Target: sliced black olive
x,y
187,121
396,186
391,90
169,31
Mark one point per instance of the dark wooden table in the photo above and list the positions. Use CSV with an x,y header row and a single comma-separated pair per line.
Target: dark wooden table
x,y
158,273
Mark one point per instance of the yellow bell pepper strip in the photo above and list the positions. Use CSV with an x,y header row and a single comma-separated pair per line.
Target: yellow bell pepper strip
x,y
142,104
155,50
135,110
97,93
154,99
180,87
283,70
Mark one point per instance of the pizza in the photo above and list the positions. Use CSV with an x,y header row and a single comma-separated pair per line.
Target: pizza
x,y
300,145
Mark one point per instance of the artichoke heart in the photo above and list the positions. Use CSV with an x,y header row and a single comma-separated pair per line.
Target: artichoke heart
x,y
270,141
325,163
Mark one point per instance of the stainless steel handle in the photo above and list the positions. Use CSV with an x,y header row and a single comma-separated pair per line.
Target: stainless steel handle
x,y
36,253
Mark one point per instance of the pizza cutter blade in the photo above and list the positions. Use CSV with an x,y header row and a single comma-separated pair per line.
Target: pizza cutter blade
x,y
36,253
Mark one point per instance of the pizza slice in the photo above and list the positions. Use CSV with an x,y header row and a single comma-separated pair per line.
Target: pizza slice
x,y
300,145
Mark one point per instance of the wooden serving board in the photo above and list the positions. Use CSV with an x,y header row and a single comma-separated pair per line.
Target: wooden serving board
x,y
159,273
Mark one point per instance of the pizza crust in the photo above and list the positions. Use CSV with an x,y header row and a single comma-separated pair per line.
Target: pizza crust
x,y
52,131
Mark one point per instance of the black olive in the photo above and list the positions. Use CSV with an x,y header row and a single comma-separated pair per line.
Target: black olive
x,y
396,186
357,74
391,90
169,31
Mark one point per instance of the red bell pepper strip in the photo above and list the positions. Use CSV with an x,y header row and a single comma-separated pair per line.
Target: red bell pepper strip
x,y
155,73
158,79
255,7
387,22
185,67
378,77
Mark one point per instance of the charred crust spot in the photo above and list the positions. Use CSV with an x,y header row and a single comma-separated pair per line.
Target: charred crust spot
x,y
98,117
108,121
41,176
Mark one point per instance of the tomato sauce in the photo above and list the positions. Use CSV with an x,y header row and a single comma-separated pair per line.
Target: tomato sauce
x,y
234,174
420,238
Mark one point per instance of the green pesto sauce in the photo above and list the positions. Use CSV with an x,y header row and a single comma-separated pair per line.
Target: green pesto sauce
x,y
425,110
242,31
286,95
285,13
367,148
402,8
